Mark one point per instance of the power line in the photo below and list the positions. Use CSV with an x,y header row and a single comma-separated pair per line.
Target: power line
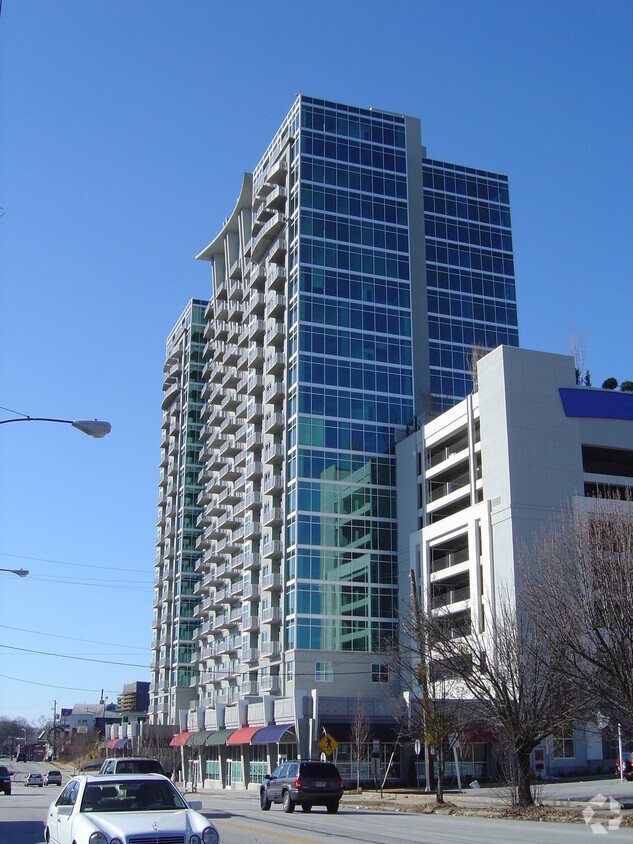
x,y
70,638
78,565
64,688
69,656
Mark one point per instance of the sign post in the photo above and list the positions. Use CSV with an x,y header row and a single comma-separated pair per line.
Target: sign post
x,y
417,761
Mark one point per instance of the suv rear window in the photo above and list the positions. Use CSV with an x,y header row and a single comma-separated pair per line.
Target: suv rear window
x,y
139,766
318,769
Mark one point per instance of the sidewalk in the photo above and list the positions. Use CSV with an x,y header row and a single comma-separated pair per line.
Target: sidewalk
x,y
568,797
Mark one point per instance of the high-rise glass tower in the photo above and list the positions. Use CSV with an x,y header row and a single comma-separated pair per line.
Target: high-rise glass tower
x,y
342,312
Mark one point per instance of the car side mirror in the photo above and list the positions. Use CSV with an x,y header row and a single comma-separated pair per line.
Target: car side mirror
x,y
195,804
268,776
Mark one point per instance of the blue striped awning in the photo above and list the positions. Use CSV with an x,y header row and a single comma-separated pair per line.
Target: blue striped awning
x,y
272,734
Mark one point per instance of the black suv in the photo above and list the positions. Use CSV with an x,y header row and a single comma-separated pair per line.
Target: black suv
x,y
5,779
306,783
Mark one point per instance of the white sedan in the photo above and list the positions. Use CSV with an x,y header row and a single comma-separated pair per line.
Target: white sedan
x,y
124,808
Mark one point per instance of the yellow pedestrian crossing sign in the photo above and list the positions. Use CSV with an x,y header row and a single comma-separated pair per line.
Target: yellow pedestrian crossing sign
x,y
328,744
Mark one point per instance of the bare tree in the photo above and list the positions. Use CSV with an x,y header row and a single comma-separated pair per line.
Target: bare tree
x,y
579,587
577,349
510,678
359,735
434,710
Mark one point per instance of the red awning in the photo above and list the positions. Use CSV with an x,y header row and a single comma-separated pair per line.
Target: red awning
x,y
111,743
180,739
242,736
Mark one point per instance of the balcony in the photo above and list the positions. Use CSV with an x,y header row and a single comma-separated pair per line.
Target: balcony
x,y
253,501
254,441
271,649
277,171
276,199
447,560
250,655
256,304
273,423
273,484
271,615
277,252
249,687
250,624
236,270
450,596
256,329
274,453
267,234
273,517
271,582
251,592
252,530
272,549
253,470
258,276
270,684
236,290
252,562
275,306
255,384
276,334
254,411
256,357
275,364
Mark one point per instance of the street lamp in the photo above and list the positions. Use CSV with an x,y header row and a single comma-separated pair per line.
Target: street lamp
x,y
93,427
19,572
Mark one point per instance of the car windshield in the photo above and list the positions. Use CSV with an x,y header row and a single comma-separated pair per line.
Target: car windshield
x,y
130,796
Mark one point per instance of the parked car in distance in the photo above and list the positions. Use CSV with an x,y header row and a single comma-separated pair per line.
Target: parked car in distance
x,y
53,778
34,779
131,765
5,779
93,809
305,783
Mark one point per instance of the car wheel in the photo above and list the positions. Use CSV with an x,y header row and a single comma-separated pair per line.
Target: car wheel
x,y
47,836
264,802
307,807
332,807
288,805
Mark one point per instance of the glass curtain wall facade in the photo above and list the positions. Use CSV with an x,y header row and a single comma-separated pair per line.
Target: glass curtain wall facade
x,y
469,272
178,512
350,379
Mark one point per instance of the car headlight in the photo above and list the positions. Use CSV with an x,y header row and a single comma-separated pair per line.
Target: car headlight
x,y
97,838
210,836
115,841
195,839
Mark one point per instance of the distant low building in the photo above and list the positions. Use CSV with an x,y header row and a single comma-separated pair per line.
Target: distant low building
x,y
134,697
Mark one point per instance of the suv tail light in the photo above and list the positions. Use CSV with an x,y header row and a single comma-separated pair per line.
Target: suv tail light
x,y
297,782
340,783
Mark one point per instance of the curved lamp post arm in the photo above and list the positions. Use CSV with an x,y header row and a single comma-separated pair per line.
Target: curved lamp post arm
x,y
93,427
19,572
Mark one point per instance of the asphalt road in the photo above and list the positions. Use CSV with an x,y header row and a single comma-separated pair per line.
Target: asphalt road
x,y
240,821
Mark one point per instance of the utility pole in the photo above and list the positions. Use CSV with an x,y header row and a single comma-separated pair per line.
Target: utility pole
x,y
54,730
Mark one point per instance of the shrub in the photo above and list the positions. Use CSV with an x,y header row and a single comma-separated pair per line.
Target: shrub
x,y
610,384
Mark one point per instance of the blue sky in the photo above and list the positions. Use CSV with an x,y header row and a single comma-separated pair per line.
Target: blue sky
x,y
125,129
